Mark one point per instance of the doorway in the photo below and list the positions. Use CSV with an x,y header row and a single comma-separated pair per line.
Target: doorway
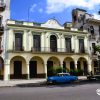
x,y
33,69
17,69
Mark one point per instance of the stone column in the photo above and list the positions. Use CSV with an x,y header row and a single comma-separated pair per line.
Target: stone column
x,y
75,64
45,67
89,67
27,69
63,43
61,64
6,72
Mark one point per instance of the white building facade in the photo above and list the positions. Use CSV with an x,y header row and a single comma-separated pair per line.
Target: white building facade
x,y
4,15
82,20
32,49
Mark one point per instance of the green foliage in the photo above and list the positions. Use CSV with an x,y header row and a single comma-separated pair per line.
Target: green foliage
x,y
76,72
97,48
57,69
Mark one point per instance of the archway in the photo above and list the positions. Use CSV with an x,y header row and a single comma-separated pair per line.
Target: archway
x,y
36,67
18,68
68,64
95,67
82,65
52,62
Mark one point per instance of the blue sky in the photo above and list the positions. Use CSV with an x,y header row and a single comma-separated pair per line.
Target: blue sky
x,y
42,10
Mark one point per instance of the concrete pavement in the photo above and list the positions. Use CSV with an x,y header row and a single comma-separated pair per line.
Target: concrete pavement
x,y
16,82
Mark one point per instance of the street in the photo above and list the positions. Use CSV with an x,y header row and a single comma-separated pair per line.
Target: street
x,y
52,92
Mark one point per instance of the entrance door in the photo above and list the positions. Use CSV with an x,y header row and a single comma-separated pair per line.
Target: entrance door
x,y
33,69
49,68
17,69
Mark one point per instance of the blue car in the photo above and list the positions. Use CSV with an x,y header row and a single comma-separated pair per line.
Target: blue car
x,y
62,78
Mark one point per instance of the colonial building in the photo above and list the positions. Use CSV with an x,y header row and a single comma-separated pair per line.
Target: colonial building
x,y
82,20
4,15
33,48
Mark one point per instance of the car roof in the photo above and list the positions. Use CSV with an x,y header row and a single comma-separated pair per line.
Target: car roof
x,y
64,73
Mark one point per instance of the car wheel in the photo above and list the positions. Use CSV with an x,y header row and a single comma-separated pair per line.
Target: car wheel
x,y
54,82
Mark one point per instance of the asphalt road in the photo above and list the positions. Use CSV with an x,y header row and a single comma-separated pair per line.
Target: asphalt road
x,y
83,91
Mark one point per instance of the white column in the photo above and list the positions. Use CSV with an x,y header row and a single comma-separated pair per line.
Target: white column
x,y
42,42
75,64
10,41
89,67
76,45
63,43
30,43
25,40
6,72
72,42
27,69
61,64
86,44
45,66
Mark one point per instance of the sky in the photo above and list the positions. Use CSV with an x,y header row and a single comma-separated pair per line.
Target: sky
x,y
42,10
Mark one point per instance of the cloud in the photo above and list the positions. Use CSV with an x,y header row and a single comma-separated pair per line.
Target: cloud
x,y
56,6
96,16
40,10
33,7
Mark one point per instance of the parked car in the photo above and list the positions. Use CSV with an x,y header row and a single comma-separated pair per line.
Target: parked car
x,y
62,78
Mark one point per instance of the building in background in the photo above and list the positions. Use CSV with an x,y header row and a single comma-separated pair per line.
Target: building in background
x,y
82,20
4,15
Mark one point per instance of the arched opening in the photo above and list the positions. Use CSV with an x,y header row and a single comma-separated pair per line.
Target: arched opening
x,y
53,43
68,64
36,67
95,66
18,68
52,63
1,68
82,66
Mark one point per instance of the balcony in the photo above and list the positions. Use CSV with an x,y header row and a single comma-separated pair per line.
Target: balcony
x,y
18,49
1,30
49,50
2,6
92,37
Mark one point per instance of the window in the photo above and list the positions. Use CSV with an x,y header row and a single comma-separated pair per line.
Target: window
x,y
0,42
68,44
53,43
93,48
0,20
99,30
92,30
81,45
95,63
36,42
18,41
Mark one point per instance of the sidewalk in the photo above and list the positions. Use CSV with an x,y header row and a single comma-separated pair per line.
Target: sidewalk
x,y
16,82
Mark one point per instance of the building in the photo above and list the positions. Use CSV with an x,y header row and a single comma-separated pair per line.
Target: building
x,y
32,49
4,15
82,20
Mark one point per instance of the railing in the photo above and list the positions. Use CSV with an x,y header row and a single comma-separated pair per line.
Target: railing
x,y
92,37
47,49
2,5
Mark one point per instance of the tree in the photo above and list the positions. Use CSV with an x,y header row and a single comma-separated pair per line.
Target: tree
x,y
97,48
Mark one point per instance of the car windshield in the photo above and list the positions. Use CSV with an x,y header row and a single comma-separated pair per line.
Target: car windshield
x,y
63,74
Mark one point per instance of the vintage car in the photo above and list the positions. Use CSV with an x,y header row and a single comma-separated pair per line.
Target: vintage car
x,y
62,78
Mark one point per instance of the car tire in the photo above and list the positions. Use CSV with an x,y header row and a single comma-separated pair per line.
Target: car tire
x,y
54,82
